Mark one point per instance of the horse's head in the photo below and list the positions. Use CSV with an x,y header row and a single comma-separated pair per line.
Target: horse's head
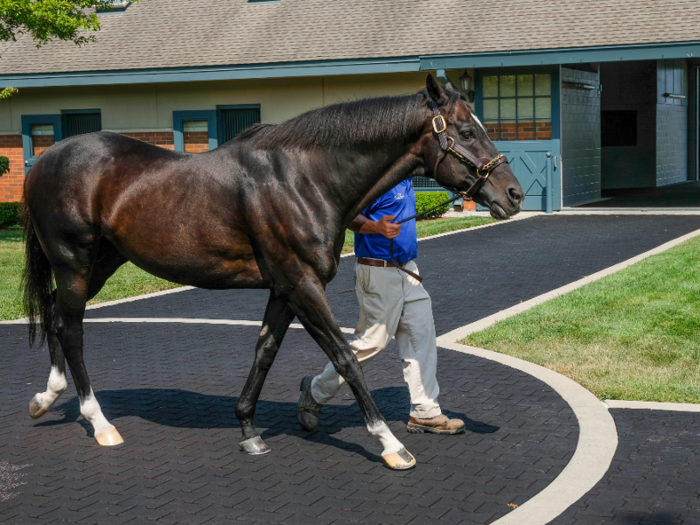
x,y
460,156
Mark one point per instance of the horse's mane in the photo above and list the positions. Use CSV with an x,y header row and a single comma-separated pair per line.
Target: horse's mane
x,y
360,121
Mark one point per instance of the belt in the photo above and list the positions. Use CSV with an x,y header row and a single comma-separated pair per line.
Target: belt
x,y
381,263
377,262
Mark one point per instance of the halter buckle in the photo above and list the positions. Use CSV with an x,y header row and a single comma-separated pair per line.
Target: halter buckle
x,y
439,124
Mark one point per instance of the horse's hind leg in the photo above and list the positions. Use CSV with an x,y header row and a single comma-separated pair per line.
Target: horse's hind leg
x,y
108,261
72,293
42,402
278,316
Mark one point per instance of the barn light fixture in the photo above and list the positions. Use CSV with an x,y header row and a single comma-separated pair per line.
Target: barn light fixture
x,y
673,95
466,83
578,85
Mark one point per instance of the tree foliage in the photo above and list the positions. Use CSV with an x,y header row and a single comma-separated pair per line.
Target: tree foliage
x,y
47,20
8,92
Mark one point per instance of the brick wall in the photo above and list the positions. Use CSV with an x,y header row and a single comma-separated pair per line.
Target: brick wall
x,y
11,183
41,143
164,139
520,130
196,141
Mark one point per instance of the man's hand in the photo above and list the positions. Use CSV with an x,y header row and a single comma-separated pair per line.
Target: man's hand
x,y
383,226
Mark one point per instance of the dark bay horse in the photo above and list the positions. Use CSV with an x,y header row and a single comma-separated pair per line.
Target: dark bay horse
x,y
266,210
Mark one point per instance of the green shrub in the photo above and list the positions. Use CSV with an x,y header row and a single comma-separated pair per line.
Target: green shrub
x,y
4,165
429,199
9,214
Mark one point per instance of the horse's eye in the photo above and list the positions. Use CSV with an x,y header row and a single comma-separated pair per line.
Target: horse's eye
x,y
467,134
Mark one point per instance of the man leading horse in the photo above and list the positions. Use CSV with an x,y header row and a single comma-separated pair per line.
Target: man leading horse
x,y
393,303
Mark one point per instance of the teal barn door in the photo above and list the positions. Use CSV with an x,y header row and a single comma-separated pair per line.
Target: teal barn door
x,y
529,161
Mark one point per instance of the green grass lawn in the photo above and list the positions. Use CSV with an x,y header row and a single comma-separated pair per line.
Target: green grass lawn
x,y
633,335
130,281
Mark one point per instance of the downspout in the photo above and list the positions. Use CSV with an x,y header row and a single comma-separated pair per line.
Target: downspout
x,y
441,75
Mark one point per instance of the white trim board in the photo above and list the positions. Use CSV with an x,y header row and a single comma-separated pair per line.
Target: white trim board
x,y
482,324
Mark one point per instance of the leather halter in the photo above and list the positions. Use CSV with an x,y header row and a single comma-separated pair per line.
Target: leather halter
x,y
484,167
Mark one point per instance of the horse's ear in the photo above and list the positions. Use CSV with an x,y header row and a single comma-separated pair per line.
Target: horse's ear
x,y
435,92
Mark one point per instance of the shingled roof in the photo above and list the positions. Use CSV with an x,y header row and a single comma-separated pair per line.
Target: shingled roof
x,y
187,33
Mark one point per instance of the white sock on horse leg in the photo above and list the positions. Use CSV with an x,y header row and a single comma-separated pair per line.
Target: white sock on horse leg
x,y
90,409
54,387
388,440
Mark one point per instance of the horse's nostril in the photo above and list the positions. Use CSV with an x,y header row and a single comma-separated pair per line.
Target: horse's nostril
x,y
515,196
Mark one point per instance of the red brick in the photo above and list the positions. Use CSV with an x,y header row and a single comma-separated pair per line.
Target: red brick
x,y
11,183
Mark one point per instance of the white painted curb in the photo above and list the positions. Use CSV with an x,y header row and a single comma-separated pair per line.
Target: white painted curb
x,y
482,324
596,446
652,405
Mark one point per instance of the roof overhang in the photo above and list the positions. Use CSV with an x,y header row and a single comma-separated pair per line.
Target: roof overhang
x,y
198,74
358,66
543,57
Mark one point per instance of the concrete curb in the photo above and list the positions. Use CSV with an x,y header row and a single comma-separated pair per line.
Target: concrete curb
x,y
482,324
596,446
652,405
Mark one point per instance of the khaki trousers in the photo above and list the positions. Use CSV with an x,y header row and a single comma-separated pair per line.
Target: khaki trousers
x,y
392,304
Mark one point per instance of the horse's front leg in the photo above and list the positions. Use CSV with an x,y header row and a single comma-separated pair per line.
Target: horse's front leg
x,y
310,304
278,316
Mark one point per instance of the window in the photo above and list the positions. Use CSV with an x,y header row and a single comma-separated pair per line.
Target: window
x,y
518,107
195,131
115,6
195,136
234,119
79,121
39,132
42,138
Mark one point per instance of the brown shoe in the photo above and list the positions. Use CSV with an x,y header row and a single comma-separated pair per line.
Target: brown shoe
x,y
436,425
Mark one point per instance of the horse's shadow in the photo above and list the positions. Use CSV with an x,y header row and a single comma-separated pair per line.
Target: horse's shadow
x,y
185,409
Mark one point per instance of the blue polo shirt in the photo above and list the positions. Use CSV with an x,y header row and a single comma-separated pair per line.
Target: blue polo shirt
x,y
400,201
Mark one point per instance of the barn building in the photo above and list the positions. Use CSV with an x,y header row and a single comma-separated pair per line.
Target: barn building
x,y
586,98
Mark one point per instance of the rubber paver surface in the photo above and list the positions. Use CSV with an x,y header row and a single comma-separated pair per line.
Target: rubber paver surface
x,y
654,477
171,392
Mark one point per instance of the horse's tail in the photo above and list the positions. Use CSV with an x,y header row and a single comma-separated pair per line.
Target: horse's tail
x,y
37,283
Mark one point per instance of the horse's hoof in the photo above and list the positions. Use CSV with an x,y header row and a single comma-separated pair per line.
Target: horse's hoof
x,y
35,409
254,446
401,460
109,438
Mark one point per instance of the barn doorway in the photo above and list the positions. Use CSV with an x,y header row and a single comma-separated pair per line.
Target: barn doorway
x,y
649,142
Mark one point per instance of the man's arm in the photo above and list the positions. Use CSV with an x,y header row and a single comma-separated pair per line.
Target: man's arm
x,y
383,226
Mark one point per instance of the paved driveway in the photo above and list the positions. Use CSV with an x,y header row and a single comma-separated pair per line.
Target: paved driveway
x,y
170,389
